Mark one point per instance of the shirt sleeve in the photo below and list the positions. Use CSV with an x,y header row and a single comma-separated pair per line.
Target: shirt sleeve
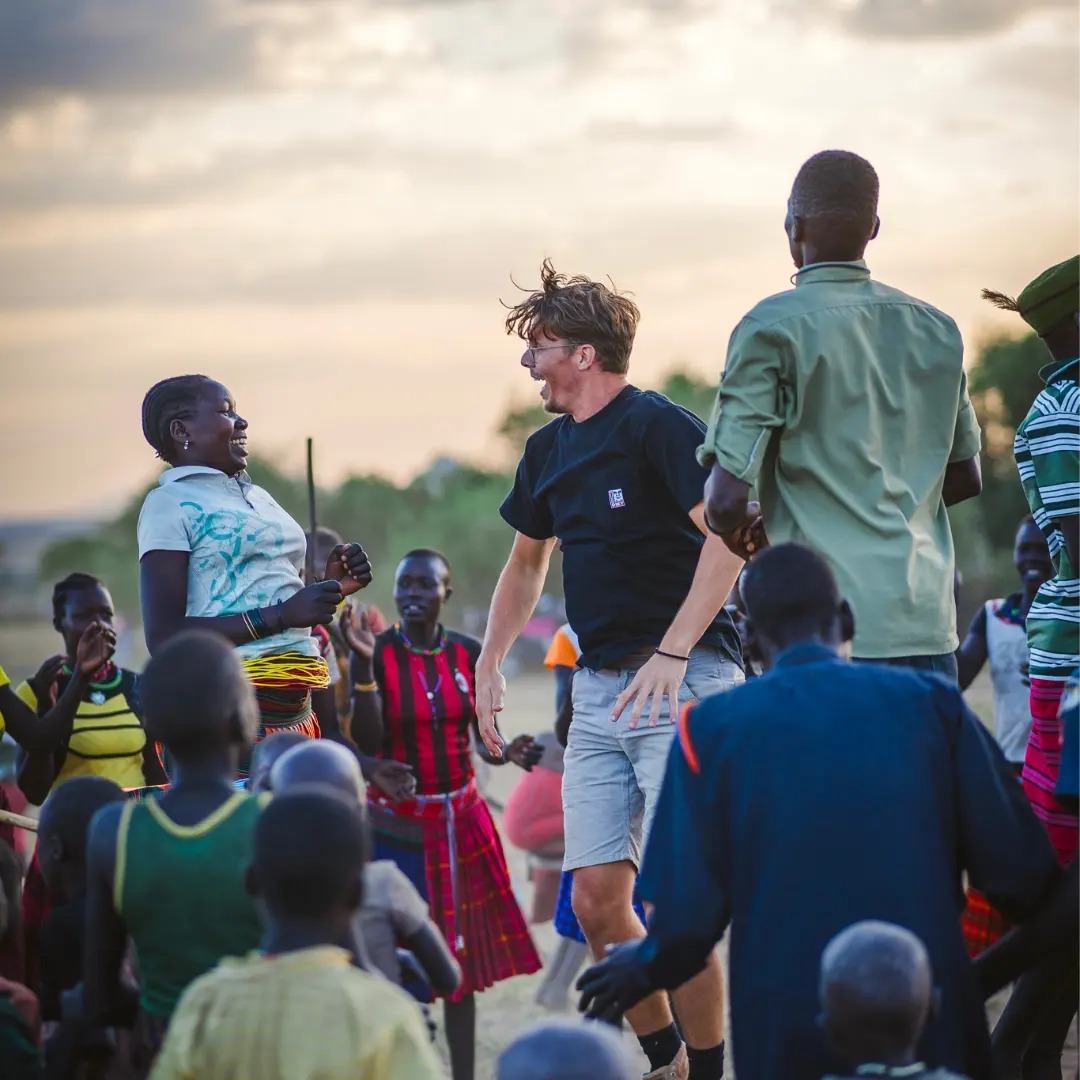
x,y
561,652
161,525
1003,847
749,403
967,435
407,907
1054,448
670,441
405,1051
681,873
521,510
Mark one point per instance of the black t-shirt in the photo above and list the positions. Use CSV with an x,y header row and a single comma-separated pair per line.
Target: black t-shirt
x,y
616,490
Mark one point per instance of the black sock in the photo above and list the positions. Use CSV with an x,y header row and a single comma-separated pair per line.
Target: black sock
x,y
706,1064
661,1046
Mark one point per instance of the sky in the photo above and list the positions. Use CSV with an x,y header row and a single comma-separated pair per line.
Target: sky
x,y
323,203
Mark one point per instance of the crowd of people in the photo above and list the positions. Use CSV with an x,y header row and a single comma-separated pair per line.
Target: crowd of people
x,y
267,855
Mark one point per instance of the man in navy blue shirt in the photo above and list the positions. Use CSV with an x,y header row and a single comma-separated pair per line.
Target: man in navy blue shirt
x,y
615,480
820,795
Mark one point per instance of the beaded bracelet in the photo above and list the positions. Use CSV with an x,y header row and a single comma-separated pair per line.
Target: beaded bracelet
x,y
365,687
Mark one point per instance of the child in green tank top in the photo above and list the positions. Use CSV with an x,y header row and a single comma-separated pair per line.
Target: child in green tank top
x,y
169,872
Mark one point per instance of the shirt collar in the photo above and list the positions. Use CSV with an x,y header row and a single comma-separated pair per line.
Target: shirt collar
x,y
1052,372
806,652
183,472
814,273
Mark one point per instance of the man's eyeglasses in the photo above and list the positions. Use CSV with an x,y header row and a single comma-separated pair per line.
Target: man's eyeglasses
x,y
532,350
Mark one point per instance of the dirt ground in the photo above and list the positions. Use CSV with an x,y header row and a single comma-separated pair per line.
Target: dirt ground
x,y
508,1008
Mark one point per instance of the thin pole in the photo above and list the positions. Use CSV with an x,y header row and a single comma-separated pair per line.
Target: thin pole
x,y
312,524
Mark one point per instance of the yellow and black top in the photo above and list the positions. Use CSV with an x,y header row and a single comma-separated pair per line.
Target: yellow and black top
x,y
107,737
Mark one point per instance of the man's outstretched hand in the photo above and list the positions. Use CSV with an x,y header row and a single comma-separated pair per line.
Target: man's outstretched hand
x,y
616,984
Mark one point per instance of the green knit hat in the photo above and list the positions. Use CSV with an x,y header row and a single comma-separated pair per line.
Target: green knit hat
x,y
1052,297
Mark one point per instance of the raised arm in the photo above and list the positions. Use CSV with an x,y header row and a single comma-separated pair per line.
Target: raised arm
x,y
516,595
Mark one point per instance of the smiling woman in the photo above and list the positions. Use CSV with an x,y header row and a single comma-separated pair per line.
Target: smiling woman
x,y
218,553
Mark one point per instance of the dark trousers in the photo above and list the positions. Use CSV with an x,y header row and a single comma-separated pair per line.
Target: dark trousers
x,y
943,664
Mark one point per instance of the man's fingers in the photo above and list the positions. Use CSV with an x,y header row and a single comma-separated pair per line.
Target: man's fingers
x,y
673,706
621,702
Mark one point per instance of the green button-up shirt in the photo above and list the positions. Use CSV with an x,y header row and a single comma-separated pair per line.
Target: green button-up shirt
x,y
842,402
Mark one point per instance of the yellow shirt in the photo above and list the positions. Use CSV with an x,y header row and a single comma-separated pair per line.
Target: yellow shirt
x,y
305,1015
106,740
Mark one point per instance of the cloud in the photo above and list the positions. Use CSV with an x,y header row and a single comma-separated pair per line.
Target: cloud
x,y
662,132
123,46
1049,71
914,19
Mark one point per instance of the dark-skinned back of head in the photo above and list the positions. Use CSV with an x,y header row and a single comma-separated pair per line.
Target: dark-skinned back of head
x,y
311,846
69,809
791,595
876,989
196,698
835,195
319,761
566,1050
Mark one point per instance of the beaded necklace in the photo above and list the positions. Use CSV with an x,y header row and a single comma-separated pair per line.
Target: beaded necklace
x,y
105,679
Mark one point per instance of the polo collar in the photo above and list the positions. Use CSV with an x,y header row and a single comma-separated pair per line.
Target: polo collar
x,y
184,472
815,273
1052,372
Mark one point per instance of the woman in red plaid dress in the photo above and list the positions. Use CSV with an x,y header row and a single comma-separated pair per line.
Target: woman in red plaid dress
x,y
414,702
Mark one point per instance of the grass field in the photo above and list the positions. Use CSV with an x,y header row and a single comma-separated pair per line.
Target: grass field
x,y
508,1008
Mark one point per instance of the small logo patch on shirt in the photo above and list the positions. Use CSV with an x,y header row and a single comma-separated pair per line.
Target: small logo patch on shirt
x,y
615,498
461,681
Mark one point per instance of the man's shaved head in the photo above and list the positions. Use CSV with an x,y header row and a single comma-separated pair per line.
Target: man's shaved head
x,y
566,1050
319,761
833,207
876,993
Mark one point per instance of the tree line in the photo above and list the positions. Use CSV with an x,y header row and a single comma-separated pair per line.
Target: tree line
x,y
454,505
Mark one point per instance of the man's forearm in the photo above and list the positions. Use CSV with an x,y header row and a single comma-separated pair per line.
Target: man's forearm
x,y
514,601
717,571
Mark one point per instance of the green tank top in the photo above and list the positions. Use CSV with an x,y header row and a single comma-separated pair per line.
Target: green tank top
x,y
180,891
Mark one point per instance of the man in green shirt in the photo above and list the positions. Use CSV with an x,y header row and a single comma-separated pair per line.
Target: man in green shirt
x,y
844,404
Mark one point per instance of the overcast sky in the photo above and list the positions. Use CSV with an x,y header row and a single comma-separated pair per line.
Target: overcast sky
x,y
321,203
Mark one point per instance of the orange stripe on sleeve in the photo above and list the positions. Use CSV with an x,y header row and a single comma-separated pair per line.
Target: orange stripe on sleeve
x,y
684,739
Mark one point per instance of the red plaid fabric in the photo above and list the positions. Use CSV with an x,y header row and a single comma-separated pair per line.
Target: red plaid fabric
x,y
487,930
1041,764
983,924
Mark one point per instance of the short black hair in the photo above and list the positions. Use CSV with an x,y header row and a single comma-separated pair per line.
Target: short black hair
x,y
171,399
428,553
195,695
790,593
266,751
62,590
319,761
311,845
838,185
68,810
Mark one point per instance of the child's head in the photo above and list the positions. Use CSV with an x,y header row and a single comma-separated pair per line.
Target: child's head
x,y
876,993
63,828
265,755
566,1050
319,762
197,699
311,846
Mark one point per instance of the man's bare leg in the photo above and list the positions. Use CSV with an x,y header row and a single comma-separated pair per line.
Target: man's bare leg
x,y
603,904
699,1005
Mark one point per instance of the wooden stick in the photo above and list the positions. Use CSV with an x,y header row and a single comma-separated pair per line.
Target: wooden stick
x,y
312,525
7,817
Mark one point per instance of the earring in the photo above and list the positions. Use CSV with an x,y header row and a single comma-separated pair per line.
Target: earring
x,y
187,444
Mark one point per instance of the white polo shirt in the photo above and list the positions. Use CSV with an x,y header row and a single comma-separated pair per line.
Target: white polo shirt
x,y
246,552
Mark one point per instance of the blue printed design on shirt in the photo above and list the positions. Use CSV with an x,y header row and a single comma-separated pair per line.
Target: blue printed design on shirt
x,y
226,550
